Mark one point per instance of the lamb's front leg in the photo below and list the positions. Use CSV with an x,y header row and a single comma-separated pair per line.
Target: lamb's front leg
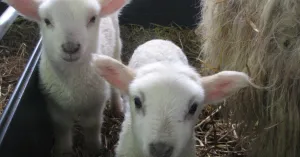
x,y
91,121
62,126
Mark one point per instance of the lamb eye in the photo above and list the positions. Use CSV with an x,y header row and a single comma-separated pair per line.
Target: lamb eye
x,y
193,109
47,22
93,19
137,102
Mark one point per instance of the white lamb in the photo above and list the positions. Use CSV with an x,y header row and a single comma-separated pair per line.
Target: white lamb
x,y
165,96
72,31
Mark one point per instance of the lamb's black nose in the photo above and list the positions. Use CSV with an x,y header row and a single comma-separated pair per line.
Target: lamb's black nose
x,y
160,149
70,47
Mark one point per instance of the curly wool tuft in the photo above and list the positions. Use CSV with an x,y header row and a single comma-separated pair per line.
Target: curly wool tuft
x,y
259,37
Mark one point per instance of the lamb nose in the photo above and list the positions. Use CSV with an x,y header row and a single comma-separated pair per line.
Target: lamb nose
x,y
70,47
160,149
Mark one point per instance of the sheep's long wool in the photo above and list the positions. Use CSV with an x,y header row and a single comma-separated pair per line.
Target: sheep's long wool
x,y
261,38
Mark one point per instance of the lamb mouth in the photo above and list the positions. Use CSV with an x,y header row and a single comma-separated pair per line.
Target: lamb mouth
x,y
71,58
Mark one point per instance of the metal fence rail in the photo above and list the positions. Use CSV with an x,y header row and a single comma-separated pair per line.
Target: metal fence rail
x,y
6,20
18,120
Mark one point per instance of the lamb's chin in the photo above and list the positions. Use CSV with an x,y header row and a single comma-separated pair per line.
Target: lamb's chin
x,y
71,58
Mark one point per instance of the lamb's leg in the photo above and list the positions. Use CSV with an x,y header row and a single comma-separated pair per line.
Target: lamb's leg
x,y
91,121
62,127
116,102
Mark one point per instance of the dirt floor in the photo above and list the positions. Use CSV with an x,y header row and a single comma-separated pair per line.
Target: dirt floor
x,y
214,137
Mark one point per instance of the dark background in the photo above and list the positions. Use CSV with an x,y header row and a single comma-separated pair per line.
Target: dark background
x,y
163,12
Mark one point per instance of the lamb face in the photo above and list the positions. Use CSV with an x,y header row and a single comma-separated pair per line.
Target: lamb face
x,y
70,31
164,107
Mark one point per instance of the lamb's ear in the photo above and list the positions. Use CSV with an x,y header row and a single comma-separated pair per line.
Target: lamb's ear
x,y
220,86
114,72
27,8
111,6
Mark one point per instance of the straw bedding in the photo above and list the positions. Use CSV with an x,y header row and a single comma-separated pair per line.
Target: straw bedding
x,y
261,38
214,136
15,48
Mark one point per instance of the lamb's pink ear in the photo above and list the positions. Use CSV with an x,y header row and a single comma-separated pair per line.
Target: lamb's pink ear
x,y
111,6
114,72
220,86
27,8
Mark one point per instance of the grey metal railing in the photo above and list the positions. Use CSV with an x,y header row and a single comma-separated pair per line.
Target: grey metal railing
x,y
6,20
